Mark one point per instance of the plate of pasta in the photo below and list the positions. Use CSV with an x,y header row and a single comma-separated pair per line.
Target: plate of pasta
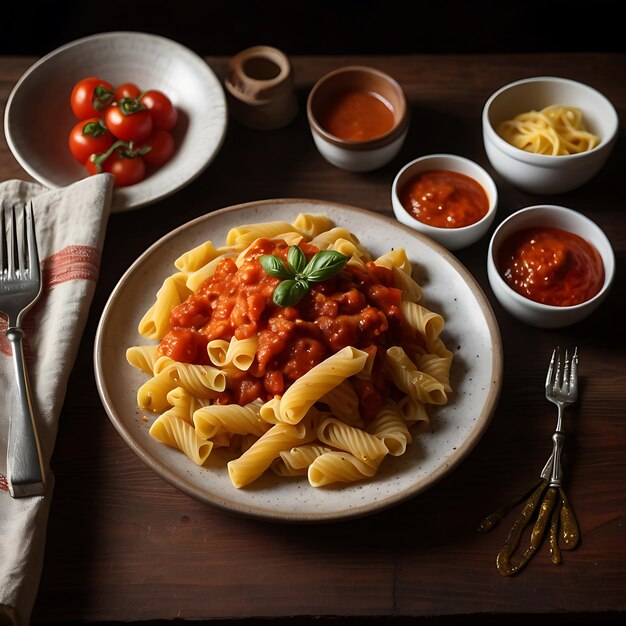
x,y
298,360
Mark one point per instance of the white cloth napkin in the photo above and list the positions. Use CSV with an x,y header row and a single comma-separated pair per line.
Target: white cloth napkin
x,y
71,223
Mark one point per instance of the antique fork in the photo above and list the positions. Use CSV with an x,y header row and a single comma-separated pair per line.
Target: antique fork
x,y
561,388
20,287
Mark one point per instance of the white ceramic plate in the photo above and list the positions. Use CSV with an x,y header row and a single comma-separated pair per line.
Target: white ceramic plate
x,y
38,117
471,332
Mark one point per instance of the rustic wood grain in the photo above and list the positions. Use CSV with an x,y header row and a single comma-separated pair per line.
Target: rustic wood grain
x,y
123,545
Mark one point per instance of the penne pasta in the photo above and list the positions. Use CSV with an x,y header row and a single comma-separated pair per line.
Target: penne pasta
x,y
319,387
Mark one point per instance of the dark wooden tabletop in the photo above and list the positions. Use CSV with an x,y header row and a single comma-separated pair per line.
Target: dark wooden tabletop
x,y
124,545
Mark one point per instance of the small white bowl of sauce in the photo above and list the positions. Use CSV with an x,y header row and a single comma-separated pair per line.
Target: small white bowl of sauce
x,y
358,117
550,266
447,197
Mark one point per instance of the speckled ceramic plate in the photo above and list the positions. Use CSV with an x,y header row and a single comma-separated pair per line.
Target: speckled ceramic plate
x,y
38,117
471,332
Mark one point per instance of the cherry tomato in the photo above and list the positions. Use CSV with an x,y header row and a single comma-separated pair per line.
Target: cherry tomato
x,y
127,90
164,113
90,96
128,120
126,170
161,145
88,137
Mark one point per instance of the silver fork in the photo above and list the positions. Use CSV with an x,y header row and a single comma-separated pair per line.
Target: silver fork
x,y
548,496
20,287
562,390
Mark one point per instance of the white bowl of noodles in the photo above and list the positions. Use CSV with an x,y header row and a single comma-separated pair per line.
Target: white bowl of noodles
x,y
548,135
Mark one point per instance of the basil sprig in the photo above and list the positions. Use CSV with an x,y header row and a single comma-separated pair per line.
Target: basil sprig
x,y
297,275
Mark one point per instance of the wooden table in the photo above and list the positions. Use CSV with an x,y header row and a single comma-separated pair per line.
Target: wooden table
x,y
125,545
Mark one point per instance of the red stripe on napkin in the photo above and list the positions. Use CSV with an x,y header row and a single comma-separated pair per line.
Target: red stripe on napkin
x,y
71,263
4,483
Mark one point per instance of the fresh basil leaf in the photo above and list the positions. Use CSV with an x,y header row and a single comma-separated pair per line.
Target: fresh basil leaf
x,y
290,292
296,258
324,265
275,266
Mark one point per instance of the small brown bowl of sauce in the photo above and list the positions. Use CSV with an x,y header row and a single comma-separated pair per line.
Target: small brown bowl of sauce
x,y
358,117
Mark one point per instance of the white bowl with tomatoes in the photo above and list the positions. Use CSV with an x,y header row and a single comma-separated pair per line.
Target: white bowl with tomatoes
x,y
142,107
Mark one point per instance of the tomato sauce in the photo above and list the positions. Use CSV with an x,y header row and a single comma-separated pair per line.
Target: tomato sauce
x,y
551,266
357,115
356,307
444,199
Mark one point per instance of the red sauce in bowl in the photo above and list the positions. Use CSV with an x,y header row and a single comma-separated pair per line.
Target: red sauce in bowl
x,y
444,199
357,115
551,266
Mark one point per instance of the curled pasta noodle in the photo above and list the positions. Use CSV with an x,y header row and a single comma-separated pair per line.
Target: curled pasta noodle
x,y
295,462
359,443
238,352
389,426
317,382
555,130
311,225
343,403
202,380
243,236
438,367
229,418
412,381
152,395
184,404
259,456
415,414
325,240
395,258
143,357
156,322
176,433
425,322
350,250
199,256
338,467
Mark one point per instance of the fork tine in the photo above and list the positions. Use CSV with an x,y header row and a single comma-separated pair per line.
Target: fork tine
x,y
3,245
565,381
558,374
573,374
23,249
31,244
12,247
549,374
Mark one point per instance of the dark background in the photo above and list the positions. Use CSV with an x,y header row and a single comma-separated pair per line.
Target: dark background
x,y
224,27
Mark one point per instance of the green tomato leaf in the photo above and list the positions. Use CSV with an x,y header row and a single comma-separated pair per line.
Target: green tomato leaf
x,y
296,258
290,292
275,266
95,129
324,265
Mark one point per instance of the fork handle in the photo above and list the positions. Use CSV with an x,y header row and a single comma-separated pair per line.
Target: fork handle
x,y
26,476
556,477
